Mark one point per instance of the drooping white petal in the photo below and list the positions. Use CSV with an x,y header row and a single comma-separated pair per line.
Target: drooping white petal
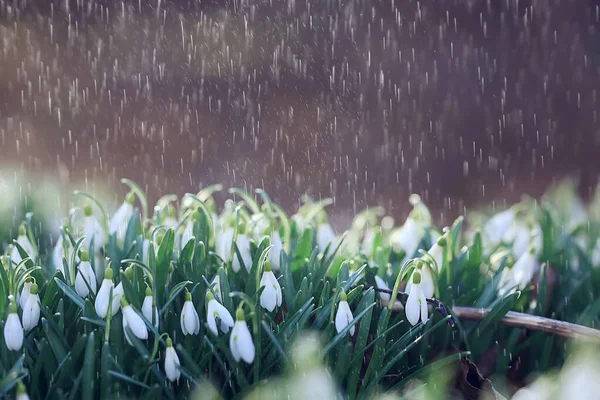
x,y
13,332
216,310
135,322
343,317
190,323
223,243
150,312
325,236
413,307
495,228
437,253
24,242
116,302
93,230
407,238
172,364
101,303
187,234
31,312
275,254
271,295
24,294
85,273
243,244
240,342
120,219
427,284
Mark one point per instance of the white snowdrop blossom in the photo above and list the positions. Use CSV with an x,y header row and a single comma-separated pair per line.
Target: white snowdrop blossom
x,y
275,254
380,283
149,309
243,244
271,295
344,315
427,279
437,253
497,226
521,273
240,341
133,321
25,243
25,292
416,304
325,236
188,232
31,311
171,362
13,330
223,243
102,298
92,230
120,219
523,237
190,323
85,276
407,238
116,300
217,310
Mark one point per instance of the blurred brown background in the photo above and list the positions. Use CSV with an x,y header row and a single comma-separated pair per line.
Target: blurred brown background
x,y
462,101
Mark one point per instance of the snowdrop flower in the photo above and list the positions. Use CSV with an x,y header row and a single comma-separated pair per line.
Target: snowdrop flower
x,y
133,321
13,331
102,299
22,392
522,237
416,304
427,281
260,224
25,243
116,300
119,292
344,315
188,232
149,309
497,226
92,229
240,341
521,273
57,255
190,323
223,243
171,362
243,244
217,310
271,296
380,283
275,254
437,253
325,236
31,311
25,292
120,219
85,273
407,238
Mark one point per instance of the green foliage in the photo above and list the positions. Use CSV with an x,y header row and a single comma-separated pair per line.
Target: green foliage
x,y
180,250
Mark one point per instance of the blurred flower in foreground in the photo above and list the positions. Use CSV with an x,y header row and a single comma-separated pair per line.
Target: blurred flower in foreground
x,y
579,379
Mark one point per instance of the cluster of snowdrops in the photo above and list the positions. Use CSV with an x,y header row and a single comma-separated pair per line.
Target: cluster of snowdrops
x,y
140,265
